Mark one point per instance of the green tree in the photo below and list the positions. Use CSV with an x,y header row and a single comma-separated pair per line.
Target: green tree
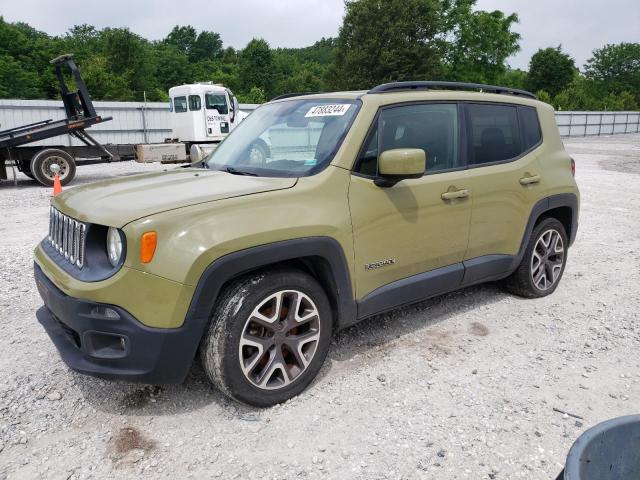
x,y
420,40
544,96
616,68
255,95
128,55
16,81
514,78
183,38
102,82
172,67
551,70
26,53
208,46
482,42
387,41
256,66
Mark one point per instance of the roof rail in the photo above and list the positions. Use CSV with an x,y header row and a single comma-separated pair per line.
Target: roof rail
x,y
291,95
434,85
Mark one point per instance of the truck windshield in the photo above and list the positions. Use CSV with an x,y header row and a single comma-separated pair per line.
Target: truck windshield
x,y
286,139
217,101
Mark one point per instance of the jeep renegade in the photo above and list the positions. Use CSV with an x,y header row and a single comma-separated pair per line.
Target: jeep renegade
x,y
362,202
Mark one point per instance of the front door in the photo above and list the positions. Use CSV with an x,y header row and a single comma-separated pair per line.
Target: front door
x,y
217,114
417,225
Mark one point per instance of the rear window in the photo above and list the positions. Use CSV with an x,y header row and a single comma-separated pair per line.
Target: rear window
x,y
180,104
494,134
530,127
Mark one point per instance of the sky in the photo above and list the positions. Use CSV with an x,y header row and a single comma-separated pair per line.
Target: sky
x,y
579,25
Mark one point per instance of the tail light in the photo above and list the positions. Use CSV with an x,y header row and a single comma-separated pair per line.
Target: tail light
x,y
573,167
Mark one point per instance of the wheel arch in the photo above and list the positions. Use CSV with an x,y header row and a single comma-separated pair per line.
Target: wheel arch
x,y
321,257
564,207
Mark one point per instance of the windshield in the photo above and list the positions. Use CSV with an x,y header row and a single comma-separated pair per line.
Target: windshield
x,y
286,139
217,101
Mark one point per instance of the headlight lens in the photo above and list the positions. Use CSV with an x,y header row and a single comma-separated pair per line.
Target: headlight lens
x,y
114,246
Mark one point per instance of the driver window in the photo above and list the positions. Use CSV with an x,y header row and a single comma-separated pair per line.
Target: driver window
x,y
431,127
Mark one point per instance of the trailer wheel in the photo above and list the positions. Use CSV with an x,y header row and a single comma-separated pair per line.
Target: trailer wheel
x,y
43,160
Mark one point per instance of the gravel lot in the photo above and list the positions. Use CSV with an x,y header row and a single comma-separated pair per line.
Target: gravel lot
x,y
461,386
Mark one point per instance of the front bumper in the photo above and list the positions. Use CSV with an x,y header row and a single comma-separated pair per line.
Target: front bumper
x,y
95,341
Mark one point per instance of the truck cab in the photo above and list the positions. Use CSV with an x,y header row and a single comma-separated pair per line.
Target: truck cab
x,y
203,113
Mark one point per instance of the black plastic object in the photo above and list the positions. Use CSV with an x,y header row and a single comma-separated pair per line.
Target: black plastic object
x,y
608,451
431,85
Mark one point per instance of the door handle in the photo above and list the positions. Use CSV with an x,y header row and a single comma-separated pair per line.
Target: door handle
x,y
455,194
530,180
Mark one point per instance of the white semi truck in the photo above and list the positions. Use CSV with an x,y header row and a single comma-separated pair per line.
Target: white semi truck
x,y
202,115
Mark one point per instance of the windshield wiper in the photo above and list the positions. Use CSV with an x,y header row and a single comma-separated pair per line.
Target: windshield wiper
x,y
235,171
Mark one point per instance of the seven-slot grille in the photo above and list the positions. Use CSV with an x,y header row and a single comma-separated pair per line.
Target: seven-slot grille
x,y
67,236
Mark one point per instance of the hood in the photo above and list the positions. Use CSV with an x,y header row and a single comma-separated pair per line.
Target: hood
x,y
121,200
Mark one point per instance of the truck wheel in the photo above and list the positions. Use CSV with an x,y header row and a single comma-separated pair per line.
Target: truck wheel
x,y
543,263
268,338
258,153
43,160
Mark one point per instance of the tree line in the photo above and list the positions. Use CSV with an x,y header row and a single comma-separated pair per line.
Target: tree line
x,y
378,42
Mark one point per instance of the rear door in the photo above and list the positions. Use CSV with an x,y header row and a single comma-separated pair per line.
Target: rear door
x,y
504,175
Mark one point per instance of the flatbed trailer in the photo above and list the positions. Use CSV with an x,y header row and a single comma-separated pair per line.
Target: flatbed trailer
x,y
36,161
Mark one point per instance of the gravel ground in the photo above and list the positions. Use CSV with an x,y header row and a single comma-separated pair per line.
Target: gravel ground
x,y
461,386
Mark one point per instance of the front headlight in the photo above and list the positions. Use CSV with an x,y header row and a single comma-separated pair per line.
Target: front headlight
x,y
114,246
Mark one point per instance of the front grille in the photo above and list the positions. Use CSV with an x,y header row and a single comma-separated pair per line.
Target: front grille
x,y
67,236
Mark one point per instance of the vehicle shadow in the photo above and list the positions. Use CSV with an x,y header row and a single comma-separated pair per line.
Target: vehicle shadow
x,y
375,333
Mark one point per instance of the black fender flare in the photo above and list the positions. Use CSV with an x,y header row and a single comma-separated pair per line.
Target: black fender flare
x,y
227,267
543,206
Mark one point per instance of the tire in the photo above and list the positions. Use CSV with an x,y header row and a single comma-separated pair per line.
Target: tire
x,y
239,351
258,153
42,161
541,261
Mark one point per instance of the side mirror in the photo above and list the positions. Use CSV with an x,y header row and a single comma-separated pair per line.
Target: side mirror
x,y
399,164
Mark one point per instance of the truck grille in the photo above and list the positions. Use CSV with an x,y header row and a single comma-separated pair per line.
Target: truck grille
x,y
67,236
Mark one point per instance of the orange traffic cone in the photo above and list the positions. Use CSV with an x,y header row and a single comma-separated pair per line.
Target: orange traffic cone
x,y
57,186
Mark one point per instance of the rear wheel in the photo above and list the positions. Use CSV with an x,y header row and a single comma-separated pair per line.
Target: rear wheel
x,y
268,338
543,263
42,162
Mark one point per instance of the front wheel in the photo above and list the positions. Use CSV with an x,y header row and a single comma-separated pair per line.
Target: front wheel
x,y
268,338
543,263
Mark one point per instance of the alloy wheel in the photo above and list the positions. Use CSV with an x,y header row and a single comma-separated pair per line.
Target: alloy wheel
x,y
279,339
547,259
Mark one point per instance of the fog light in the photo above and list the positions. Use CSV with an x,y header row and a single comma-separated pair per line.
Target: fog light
x,y
105,345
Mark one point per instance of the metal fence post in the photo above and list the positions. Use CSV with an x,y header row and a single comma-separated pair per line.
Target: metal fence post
x,y
626,123
600,125
570,122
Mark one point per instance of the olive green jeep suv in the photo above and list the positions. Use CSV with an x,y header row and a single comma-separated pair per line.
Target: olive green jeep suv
x,y
318,211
